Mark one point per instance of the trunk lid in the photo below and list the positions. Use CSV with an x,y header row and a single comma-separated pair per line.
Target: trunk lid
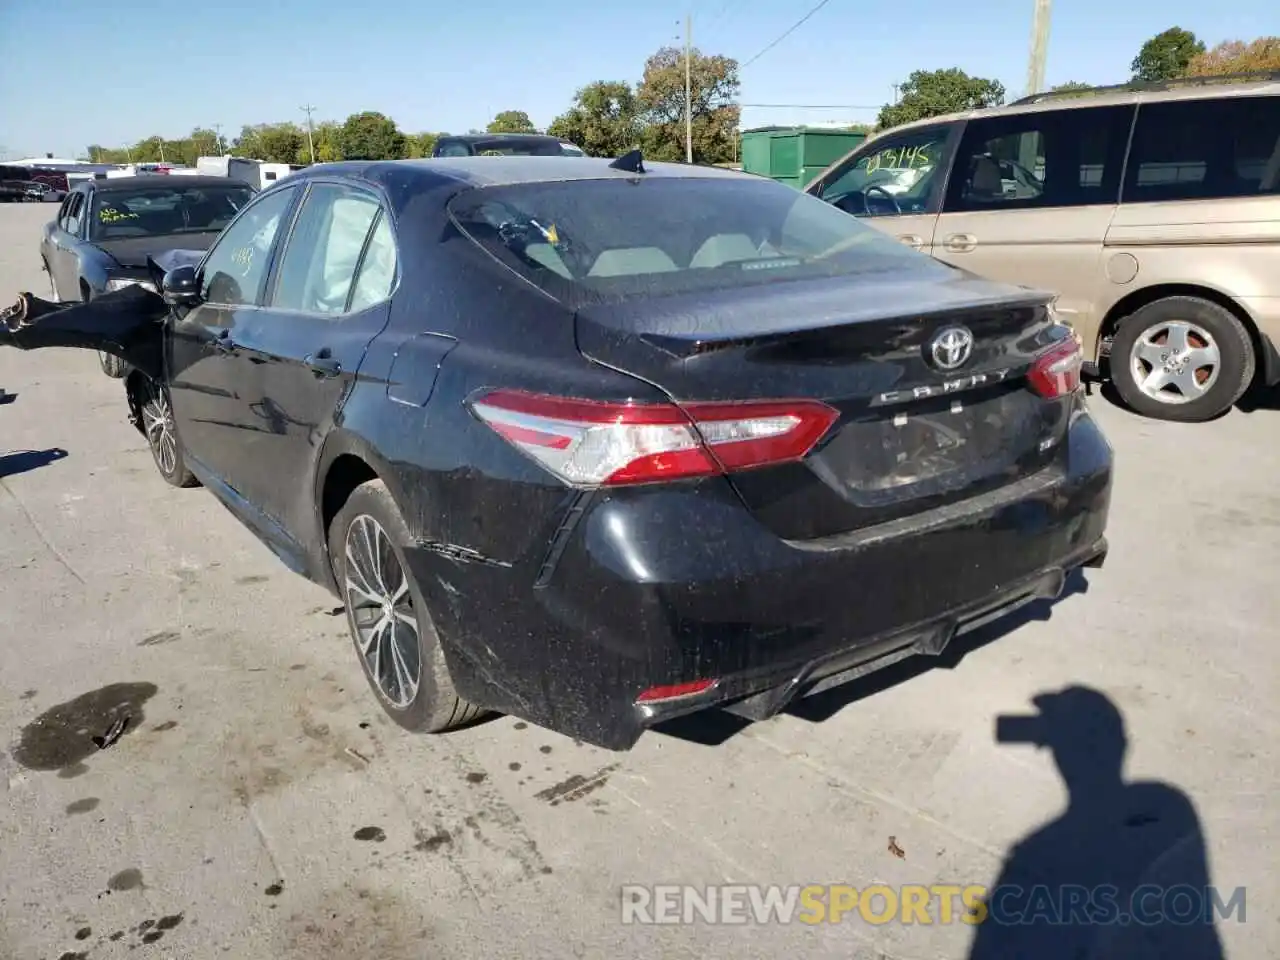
x,y
911,435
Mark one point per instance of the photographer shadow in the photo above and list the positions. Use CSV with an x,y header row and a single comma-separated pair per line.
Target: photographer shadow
x,y
1122,874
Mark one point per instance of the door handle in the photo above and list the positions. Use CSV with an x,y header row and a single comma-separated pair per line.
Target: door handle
x,y
960,242
912,240
323,364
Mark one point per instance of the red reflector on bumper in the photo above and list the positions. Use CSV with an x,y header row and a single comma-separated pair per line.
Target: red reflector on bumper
x,y
675,691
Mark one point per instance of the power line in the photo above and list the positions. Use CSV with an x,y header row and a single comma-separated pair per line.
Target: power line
x,y
786,33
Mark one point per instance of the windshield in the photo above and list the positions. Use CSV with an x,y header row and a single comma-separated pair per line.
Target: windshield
x,y
896,178
606,240
154,211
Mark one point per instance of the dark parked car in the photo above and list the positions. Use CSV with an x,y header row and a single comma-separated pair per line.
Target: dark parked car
x,y
504,145
105,229
596,445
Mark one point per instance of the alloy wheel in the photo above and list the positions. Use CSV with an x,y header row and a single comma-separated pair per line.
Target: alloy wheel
x,y
157,421
1175,361
382,615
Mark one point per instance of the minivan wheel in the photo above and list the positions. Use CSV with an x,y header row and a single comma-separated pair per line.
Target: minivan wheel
x,y
391,628
162,437
1182,358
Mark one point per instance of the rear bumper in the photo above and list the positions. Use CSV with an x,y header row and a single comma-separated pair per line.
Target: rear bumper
x,y
659,586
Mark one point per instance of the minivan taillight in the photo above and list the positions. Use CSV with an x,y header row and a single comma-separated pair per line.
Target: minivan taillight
x,y
1056,372
592,443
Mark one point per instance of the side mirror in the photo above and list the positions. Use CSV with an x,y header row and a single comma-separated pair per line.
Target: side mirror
x,y
180,287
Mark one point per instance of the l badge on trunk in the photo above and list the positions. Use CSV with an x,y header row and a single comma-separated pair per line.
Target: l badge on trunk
x,y
951,347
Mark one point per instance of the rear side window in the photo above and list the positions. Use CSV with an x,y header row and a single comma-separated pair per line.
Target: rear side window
x,y
1205,150
1063,158
589,241
323,252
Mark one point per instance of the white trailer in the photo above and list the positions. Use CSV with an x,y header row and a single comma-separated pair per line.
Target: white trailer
x,y
237,168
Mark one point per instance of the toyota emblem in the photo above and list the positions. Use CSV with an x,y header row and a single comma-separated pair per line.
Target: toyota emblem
x,y
951,348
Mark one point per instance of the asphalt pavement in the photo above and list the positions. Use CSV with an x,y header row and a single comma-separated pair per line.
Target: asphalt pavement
x,y
257,804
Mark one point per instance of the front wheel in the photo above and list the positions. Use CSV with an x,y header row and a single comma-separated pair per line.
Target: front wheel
x,y
162,437
1182,358
390,625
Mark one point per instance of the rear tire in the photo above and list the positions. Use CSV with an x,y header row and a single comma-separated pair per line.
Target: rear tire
x,y
1183,359
392,631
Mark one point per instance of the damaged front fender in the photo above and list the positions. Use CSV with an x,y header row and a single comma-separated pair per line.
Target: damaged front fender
x,y
126,323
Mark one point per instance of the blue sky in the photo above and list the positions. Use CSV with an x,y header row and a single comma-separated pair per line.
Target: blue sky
x,y
75,72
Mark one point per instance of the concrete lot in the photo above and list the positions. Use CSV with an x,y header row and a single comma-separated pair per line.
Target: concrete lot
x,y
259,806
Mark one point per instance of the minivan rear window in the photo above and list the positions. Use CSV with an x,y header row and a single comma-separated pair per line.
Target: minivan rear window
x,y
611,239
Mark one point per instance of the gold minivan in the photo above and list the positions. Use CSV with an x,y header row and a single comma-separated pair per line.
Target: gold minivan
x,y
1153,213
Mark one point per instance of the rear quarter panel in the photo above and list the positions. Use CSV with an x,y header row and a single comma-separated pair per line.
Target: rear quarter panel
x,y
1230,246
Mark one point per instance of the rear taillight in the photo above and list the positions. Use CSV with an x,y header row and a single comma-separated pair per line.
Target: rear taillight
x,y
1056,372
590,443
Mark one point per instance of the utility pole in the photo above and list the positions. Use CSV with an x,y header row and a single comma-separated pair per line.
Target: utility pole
x,y
688,88
160,141
1039,47
311,140
217,132
895,92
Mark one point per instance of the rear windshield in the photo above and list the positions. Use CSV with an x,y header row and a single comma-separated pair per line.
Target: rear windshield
x,y
606,240
160,211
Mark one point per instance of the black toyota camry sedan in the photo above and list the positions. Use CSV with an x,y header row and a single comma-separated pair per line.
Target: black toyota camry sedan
x,y
597,444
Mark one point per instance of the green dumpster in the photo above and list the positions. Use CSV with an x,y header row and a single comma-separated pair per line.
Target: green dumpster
x,y
795,155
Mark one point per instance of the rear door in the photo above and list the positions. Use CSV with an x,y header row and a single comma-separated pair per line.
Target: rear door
x,y
896,184
1031,197
298,356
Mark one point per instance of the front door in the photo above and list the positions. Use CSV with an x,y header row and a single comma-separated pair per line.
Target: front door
x,y
328,298
206,383
895,183
1030,199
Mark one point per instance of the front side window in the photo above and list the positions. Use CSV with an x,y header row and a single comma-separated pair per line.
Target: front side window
x,y
453,148
165,210
893,177
1204,150
606,240
1061,158
320,261
234,271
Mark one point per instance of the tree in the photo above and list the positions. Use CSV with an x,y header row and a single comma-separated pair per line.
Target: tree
x,y
325,136
511,121
1071,85
274,142
931,93
419,145
713,91
1167,55
1236,56
370,136
603,120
